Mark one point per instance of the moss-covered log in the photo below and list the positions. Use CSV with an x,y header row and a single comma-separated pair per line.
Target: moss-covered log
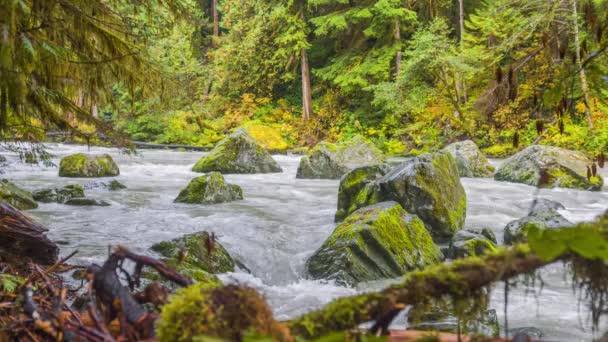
x,y
461,279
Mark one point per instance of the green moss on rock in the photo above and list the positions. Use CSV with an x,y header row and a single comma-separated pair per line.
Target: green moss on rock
x,y
59,195
376,242
88,166
237,153
428,186
548,167
469,160
15,196
332,161
355,188
467,244
196,252
209,189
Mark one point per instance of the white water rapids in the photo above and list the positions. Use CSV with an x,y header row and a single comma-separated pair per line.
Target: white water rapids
x,y
279,224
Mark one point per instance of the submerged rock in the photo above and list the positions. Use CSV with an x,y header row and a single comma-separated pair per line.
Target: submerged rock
x,y
469,159
548,167
467,243
197,255
428,186
544,214
209,189
15,196
332,161
87,202
112,185
88,166
487,325
58,195
237,153
375,242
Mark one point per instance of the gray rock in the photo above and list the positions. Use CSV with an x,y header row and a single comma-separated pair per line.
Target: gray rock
x,y
543,215
353,183
237,153
87,202
332,161
58,195
376,242
533,333
112,185
467,243
88,166
209,189
469,159
15,196
428,186
547,167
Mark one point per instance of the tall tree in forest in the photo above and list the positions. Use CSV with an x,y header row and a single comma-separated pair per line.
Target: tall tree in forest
x,y
579,63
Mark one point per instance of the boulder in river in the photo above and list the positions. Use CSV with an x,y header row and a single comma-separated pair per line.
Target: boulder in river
x,y
332,161
544,214
88,166
58,195
428,186
237,153
376,242
354,186
22,239
548,167
87,202
209,189
469,159
197,255
15,196
112,185
467,243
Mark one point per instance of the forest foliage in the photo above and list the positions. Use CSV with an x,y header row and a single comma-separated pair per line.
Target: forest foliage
x,y
410,75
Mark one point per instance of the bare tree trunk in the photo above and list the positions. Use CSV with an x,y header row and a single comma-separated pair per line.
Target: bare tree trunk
x,y
216,20
398,40
464,82
306,94
579,63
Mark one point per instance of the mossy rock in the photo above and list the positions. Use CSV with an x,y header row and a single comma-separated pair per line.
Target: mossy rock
x,y
355,187
59,195
268,137
543,215
237,153
88,166
203,312
86,202
198,252
469,159
549,167
376,242
332,161
500,151
466,244
209,189
428,186
15,196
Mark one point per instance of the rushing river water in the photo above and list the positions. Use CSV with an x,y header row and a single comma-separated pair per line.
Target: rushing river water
x,y
279,224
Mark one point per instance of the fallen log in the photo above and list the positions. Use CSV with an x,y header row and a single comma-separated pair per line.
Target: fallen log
x,y
21,239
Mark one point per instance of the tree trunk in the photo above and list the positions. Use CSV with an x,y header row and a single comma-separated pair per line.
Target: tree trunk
x,y
398,40
579,63
463,82
216,20
306,94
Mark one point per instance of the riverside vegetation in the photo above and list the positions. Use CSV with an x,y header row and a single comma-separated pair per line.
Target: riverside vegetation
x,y
346,85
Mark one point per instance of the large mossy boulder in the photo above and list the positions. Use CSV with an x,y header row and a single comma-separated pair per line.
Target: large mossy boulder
x,y
268,137
543,215
237,153
351,194
59,195
197,255
15,196
548,167
469,159
376,242
332,161
88,166
209,189
428,186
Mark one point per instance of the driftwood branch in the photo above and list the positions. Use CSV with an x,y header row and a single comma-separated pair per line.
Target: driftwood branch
x,y
459,279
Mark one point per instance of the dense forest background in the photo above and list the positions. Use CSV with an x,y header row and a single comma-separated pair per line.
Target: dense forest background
x,y
411,75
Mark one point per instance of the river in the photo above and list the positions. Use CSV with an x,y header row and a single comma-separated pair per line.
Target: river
x,y
279,224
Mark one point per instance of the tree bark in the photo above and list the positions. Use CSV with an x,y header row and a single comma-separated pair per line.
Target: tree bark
x,y
579,63
398,40
464,82
306,93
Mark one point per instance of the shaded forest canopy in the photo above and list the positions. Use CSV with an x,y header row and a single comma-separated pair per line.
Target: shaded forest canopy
x,y
410,75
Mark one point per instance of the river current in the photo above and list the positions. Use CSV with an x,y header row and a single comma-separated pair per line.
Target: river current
x,y
280,223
